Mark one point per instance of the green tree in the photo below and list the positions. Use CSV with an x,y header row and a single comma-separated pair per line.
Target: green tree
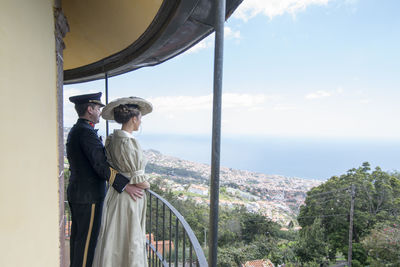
x,y
377,199
254,225
383,244
311,244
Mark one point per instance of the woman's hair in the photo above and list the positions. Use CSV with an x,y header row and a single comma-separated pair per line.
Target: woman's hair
x,y
123,113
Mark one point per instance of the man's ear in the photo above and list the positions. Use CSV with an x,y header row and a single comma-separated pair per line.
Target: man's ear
x,y
89,109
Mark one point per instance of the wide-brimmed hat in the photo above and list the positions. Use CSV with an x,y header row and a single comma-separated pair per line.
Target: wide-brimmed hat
x,y
145,106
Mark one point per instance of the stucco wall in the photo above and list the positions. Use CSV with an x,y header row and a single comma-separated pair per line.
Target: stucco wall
x,y
28,135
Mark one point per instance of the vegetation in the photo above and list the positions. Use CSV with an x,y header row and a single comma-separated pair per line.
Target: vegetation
x,y
170,171
325,216
67,174
243,235
324,219
383,243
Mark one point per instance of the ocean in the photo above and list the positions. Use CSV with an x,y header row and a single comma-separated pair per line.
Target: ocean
x,y
306,158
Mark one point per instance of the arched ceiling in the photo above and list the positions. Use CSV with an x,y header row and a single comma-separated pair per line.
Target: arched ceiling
x,y
101,28
116,36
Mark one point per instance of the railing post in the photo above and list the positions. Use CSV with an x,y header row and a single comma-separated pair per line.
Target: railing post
x,y
170,237
183,249
106,93
176,241
150,225
163,232
156,233
216,130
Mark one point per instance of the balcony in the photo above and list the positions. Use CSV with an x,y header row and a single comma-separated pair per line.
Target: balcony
x,y
170,240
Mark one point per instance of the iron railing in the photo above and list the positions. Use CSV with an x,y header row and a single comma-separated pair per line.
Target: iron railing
x,y
170,240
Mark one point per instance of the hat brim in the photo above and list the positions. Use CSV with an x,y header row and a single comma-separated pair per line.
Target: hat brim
x,y
145,106
97,102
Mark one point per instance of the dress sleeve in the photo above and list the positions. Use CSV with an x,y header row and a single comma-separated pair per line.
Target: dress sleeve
x,y
94,150
133,160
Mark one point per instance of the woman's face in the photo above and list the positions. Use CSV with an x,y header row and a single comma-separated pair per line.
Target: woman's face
x,y
136,122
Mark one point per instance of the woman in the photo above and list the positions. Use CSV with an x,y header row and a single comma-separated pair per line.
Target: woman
x,y
122,240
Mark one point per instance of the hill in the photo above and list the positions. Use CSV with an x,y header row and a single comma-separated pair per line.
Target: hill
x,y
275,196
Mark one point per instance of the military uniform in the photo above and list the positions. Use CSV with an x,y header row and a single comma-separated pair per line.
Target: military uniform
x,y
87,187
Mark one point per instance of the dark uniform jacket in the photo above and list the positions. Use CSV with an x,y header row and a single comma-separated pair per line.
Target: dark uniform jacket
x,y
88,166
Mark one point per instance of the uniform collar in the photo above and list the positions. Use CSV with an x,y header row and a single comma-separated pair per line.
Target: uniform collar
x,y
86,121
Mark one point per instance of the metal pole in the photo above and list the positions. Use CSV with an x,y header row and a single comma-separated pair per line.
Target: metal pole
x,y
106,80
216,130
205,238
349,258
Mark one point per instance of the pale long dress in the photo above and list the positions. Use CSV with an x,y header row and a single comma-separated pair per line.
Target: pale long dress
x,y
121,241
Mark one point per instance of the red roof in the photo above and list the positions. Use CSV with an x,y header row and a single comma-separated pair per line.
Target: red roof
x,y
258,263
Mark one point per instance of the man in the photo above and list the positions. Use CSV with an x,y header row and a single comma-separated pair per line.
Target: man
x,y
87,183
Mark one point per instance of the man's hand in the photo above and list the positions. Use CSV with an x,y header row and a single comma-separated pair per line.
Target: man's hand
x,y
134,191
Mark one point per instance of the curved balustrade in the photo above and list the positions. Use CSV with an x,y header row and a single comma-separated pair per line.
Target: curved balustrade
x,y
170,240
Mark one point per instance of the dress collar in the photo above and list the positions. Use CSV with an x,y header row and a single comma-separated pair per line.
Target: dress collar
x,y
123,133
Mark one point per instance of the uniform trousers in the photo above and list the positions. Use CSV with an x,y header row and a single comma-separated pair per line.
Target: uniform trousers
x,y
86,220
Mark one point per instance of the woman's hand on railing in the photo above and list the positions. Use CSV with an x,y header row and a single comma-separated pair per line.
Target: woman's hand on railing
x,y
143,185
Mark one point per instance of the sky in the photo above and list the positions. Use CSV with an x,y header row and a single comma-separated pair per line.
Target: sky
x,y
295,68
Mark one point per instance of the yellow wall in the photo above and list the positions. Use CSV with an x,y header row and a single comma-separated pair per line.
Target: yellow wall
x,y
28,135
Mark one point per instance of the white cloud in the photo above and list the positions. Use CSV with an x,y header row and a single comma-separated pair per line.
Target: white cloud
x,y
365,101
181,103
203,44
208,42
70,115
231,34
70,92
257,109
323,94
318,94
198,103
243,100
351,2
271,8
351,5
283,108
339,90
193,114
260,114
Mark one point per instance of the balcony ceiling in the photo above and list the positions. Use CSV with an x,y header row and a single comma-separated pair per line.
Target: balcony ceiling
x,y
117,36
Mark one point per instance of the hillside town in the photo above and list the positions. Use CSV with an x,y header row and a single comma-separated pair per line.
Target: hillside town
x,y
276,197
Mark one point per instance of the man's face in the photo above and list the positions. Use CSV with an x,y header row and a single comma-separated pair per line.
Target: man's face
x,y
94,113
